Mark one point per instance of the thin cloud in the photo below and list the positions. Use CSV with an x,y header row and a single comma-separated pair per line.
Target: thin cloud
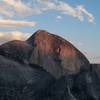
x,y
6,22
18,6
86,13
59,17
41,6
78,12
5,12
15,35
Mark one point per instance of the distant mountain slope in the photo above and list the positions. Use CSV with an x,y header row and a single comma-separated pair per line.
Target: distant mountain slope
x,y
96,68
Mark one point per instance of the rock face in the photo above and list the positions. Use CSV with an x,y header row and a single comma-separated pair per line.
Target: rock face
x,y
82,86
96,69
46,67
22,82
16,50
55,54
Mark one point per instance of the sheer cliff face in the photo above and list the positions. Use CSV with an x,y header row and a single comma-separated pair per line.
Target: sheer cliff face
x,y
55,54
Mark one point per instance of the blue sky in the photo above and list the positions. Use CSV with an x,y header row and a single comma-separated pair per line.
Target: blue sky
x,y
76,20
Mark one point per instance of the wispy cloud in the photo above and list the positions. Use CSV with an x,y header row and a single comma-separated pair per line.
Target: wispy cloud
x,y
40,6
15,35
6,22
78,12
18,6
5,12
59,18
84,11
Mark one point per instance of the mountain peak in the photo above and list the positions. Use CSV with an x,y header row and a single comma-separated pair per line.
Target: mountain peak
x,y
55,54
37,35
41,31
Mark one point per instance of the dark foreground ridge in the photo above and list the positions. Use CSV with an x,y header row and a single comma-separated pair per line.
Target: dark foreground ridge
x,y
46,67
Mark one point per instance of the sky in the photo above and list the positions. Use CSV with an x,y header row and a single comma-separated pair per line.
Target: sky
x,y
78,21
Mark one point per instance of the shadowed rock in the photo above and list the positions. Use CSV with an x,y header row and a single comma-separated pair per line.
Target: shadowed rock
x,y
22,82
19,51
96,68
